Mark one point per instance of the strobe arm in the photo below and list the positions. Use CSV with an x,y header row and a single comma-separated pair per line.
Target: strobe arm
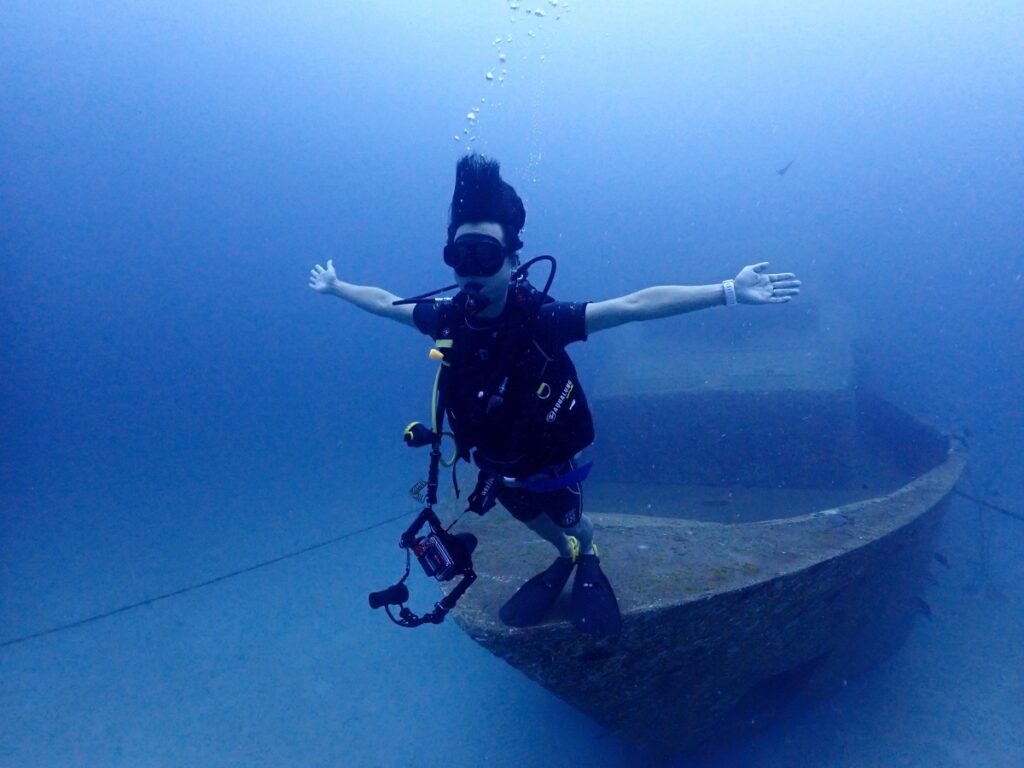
x,y
406,618
448,601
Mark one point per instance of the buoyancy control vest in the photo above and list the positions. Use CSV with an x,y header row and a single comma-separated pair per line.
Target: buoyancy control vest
x,y
513,401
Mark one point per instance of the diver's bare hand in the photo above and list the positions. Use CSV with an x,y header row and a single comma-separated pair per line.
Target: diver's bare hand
x,y
755,286
323,280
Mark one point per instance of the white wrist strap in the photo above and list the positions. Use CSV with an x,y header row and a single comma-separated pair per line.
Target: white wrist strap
x,y
729,287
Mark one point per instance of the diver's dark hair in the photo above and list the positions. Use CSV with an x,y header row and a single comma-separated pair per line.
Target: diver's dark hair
x,y
481,195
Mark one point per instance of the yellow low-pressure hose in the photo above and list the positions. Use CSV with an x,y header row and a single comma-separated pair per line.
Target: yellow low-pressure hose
x,y
433,407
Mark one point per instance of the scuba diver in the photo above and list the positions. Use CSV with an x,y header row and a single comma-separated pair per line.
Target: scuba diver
x,y
509,390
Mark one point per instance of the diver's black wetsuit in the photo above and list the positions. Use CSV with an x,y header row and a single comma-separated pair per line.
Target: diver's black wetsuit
x,y
507,446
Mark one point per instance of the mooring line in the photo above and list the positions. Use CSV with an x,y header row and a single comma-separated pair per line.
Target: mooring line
x,y
989,505
200,585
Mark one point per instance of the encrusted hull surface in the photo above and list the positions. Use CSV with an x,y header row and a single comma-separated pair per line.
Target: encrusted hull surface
x,y
724,625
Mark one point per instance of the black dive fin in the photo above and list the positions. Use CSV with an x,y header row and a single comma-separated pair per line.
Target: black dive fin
x,y
537,596
595,610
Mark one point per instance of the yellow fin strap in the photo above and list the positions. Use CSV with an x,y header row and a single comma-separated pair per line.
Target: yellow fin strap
x,y
574,545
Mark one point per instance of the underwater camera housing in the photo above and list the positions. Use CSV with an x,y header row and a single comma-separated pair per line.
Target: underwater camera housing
x,y
443,556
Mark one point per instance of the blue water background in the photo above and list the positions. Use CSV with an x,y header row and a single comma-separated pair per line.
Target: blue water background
x,y
177,404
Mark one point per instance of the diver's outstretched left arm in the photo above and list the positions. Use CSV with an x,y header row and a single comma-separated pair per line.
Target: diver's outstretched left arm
x,y
752,286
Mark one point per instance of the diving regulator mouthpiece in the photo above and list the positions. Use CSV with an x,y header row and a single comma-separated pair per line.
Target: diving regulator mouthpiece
x,y
470,301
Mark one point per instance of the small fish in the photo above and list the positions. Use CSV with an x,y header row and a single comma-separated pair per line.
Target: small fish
x,y
941,559
782,171
921,607
929,579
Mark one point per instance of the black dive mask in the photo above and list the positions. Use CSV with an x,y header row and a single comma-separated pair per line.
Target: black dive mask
x,y
475,254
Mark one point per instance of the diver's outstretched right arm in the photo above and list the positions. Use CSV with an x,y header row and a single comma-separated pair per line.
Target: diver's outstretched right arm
x,y
375,300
